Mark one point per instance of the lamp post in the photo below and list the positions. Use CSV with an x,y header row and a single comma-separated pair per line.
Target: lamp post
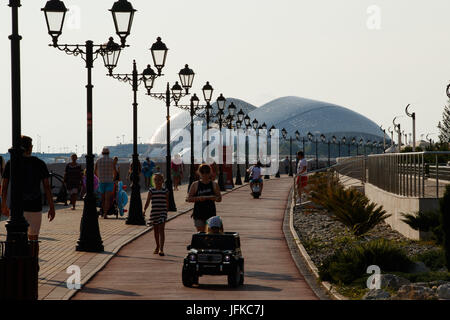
x,y
221,118
284,135
247,128
238,165
384,137
310,138
193,108
174,93
334,140
344,140
264,128
122,13
413,117
23,283
323,138
354,143
397,128
361,142
272,130
135,79
368,144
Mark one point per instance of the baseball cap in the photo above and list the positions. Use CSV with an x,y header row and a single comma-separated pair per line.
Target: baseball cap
x,y
215,222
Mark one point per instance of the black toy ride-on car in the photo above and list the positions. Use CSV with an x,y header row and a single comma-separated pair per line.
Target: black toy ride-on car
x,y
214,254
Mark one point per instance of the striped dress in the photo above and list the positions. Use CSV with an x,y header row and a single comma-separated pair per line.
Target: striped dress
x,y
158,214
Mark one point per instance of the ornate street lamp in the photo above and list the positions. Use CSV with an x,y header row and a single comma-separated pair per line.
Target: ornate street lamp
x,y
23,282
247,125
323,139
55,10
284,135
174,93
186,77
195,107
159,54
238,156
123,14
135,79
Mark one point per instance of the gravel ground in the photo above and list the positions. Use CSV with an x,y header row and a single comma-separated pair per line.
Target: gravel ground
x,y
321,235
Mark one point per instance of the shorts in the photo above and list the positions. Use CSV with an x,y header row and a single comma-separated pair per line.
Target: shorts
x,y
104,187
259,180
34,220
199,223
302,181
72,191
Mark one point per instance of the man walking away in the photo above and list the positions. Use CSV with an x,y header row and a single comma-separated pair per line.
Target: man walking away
x,y
104,170
34,172
72,178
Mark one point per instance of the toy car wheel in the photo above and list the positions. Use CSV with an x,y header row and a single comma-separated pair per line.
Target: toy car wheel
x,y
241,279
188,278
234,278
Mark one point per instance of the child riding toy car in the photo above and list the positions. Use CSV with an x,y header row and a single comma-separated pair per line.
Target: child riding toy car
x,y
214,254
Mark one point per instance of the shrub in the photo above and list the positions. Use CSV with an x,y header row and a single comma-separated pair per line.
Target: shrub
x,y
425,221
354,210
433,259
422,220
445,216
345,266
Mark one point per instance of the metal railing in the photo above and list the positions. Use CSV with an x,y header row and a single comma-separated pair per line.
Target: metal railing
x,y
415,174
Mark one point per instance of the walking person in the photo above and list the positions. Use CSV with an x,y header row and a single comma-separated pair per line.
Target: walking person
x,y
177,171
159,196
104,170
148,166
302,178
116,169
73,176
34,172
286,165
204,193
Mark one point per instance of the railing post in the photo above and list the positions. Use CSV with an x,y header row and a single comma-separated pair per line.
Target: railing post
x,y
437,177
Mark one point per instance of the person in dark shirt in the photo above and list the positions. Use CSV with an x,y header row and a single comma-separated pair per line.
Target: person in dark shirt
x,y
73,179
34,172
204,193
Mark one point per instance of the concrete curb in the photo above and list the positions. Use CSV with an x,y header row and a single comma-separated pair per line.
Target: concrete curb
x,y
328,287
105,261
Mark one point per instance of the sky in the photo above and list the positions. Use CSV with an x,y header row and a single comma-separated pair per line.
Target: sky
x,y
373,57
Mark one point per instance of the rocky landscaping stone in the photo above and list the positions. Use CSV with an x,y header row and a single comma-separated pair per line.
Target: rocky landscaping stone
x,y
415,292
392,281
418,267
443,291
376,294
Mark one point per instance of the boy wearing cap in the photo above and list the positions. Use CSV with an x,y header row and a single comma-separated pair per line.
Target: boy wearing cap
x,y
214,225
105,171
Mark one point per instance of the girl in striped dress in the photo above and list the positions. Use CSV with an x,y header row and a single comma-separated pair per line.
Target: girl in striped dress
x,y
158,216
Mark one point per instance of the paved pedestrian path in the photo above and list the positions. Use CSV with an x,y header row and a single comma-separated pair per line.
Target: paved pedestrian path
x,y
59,238
270,273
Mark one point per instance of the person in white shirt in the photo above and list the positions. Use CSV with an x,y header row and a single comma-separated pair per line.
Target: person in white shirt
x,y
302,178
255,175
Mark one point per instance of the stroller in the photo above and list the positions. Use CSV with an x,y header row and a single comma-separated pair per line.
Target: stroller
x,y
118,201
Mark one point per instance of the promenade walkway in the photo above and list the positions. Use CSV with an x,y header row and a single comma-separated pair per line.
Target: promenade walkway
x,y
59,238
270,273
